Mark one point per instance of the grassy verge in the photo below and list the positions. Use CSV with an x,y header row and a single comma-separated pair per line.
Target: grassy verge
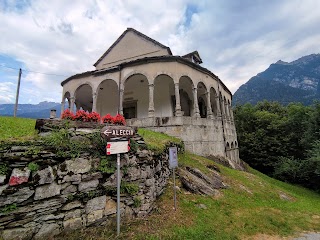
x,y
16,128
253,207
157,141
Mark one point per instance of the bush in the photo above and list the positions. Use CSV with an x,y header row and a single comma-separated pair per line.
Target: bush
x,y
81,115
119,120
107,119
67,114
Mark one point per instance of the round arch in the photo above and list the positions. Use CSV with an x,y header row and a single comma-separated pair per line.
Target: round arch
x,y
202,99
83,97
164,96
136,96
213,101
186,95
66,104
226,111
107,97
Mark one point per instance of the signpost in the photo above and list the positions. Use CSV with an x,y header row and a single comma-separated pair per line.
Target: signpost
x,y
173,163
117,137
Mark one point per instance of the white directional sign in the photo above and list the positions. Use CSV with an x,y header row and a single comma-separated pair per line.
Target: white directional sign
x,y
117,147
173,157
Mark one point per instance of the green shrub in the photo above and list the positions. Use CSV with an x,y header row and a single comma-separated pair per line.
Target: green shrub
x,y
8,208
3,169
107,165
129,188
137,202
33,167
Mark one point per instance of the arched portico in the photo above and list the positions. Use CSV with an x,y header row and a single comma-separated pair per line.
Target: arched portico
x,y
164,96
214,101
136,97
202,99
107,97
186,96
83,97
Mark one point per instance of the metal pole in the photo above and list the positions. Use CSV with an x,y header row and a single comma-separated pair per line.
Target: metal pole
x,y
17,95
118,194
174,190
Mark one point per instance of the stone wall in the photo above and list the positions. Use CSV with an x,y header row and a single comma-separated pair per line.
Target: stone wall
x,y
43,193
201,136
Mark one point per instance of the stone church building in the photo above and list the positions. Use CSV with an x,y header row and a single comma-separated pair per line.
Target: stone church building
x,y
141,79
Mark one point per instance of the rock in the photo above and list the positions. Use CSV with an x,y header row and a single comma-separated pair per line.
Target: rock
x,y
47,204
110,207
79,165
202,206
92,176
72,205
97,203
3,188
87,186
47,191
134,173
73,223
75,178
47,231
195,184
19,176
20,196
94,216
19,148
46,175
286,197
17,233
2,178
150,182
76,166
69,189
50,217
73,214
215,181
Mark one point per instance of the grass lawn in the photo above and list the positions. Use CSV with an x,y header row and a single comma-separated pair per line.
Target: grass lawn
x,y
253,207
16,128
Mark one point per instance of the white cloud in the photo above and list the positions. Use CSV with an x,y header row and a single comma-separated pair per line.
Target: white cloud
x,y
6,92
236,40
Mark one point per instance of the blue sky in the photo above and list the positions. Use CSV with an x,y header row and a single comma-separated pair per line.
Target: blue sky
x,y
235,39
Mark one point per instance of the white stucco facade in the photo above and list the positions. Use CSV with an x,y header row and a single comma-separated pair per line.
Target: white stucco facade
x,y
139,78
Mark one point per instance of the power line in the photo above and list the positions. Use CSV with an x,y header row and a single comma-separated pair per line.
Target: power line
x,y
26,70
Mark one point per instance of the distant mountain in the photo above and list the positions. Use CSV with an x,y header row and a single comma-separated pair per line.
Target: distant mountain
x,y
41,110
297,81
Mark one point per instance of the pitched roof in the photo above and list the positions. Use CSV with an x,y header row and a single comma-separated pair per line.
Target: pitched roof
x,y
195,55
139,34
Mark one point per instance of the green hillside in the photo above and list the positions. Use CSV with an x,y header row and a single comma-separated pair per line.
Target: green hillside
x,y
254,206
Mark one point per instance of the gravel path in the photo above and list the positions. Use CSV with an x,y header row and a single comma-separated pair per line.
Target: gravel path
x,y
308,236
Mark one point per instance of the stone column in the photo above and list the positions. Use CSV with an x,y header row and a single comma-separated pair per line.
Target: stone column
x,y
226,107
195,103
72,102
121,99
62,107
94,102
178,112
231,114
209,109
151,104
218,106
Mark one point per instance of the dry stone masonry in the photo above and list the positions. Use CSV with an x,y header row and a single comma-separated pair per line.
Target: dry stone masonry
x,y
44,191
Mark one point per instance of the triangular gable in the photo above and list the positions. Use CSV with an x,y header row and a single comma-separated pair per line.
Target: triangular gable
x,y
131,45
193,57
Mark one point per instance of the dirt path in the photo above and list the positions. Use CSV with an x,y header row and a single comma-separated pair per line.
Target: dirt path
x,y
308,236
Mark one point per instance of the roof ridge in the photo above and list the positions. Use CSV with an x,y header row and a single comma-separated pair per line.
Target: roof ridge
x,y
136,32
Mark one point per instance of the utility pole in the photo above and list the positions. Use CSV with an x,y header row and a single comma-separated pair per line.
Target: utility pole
x,y
17,96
